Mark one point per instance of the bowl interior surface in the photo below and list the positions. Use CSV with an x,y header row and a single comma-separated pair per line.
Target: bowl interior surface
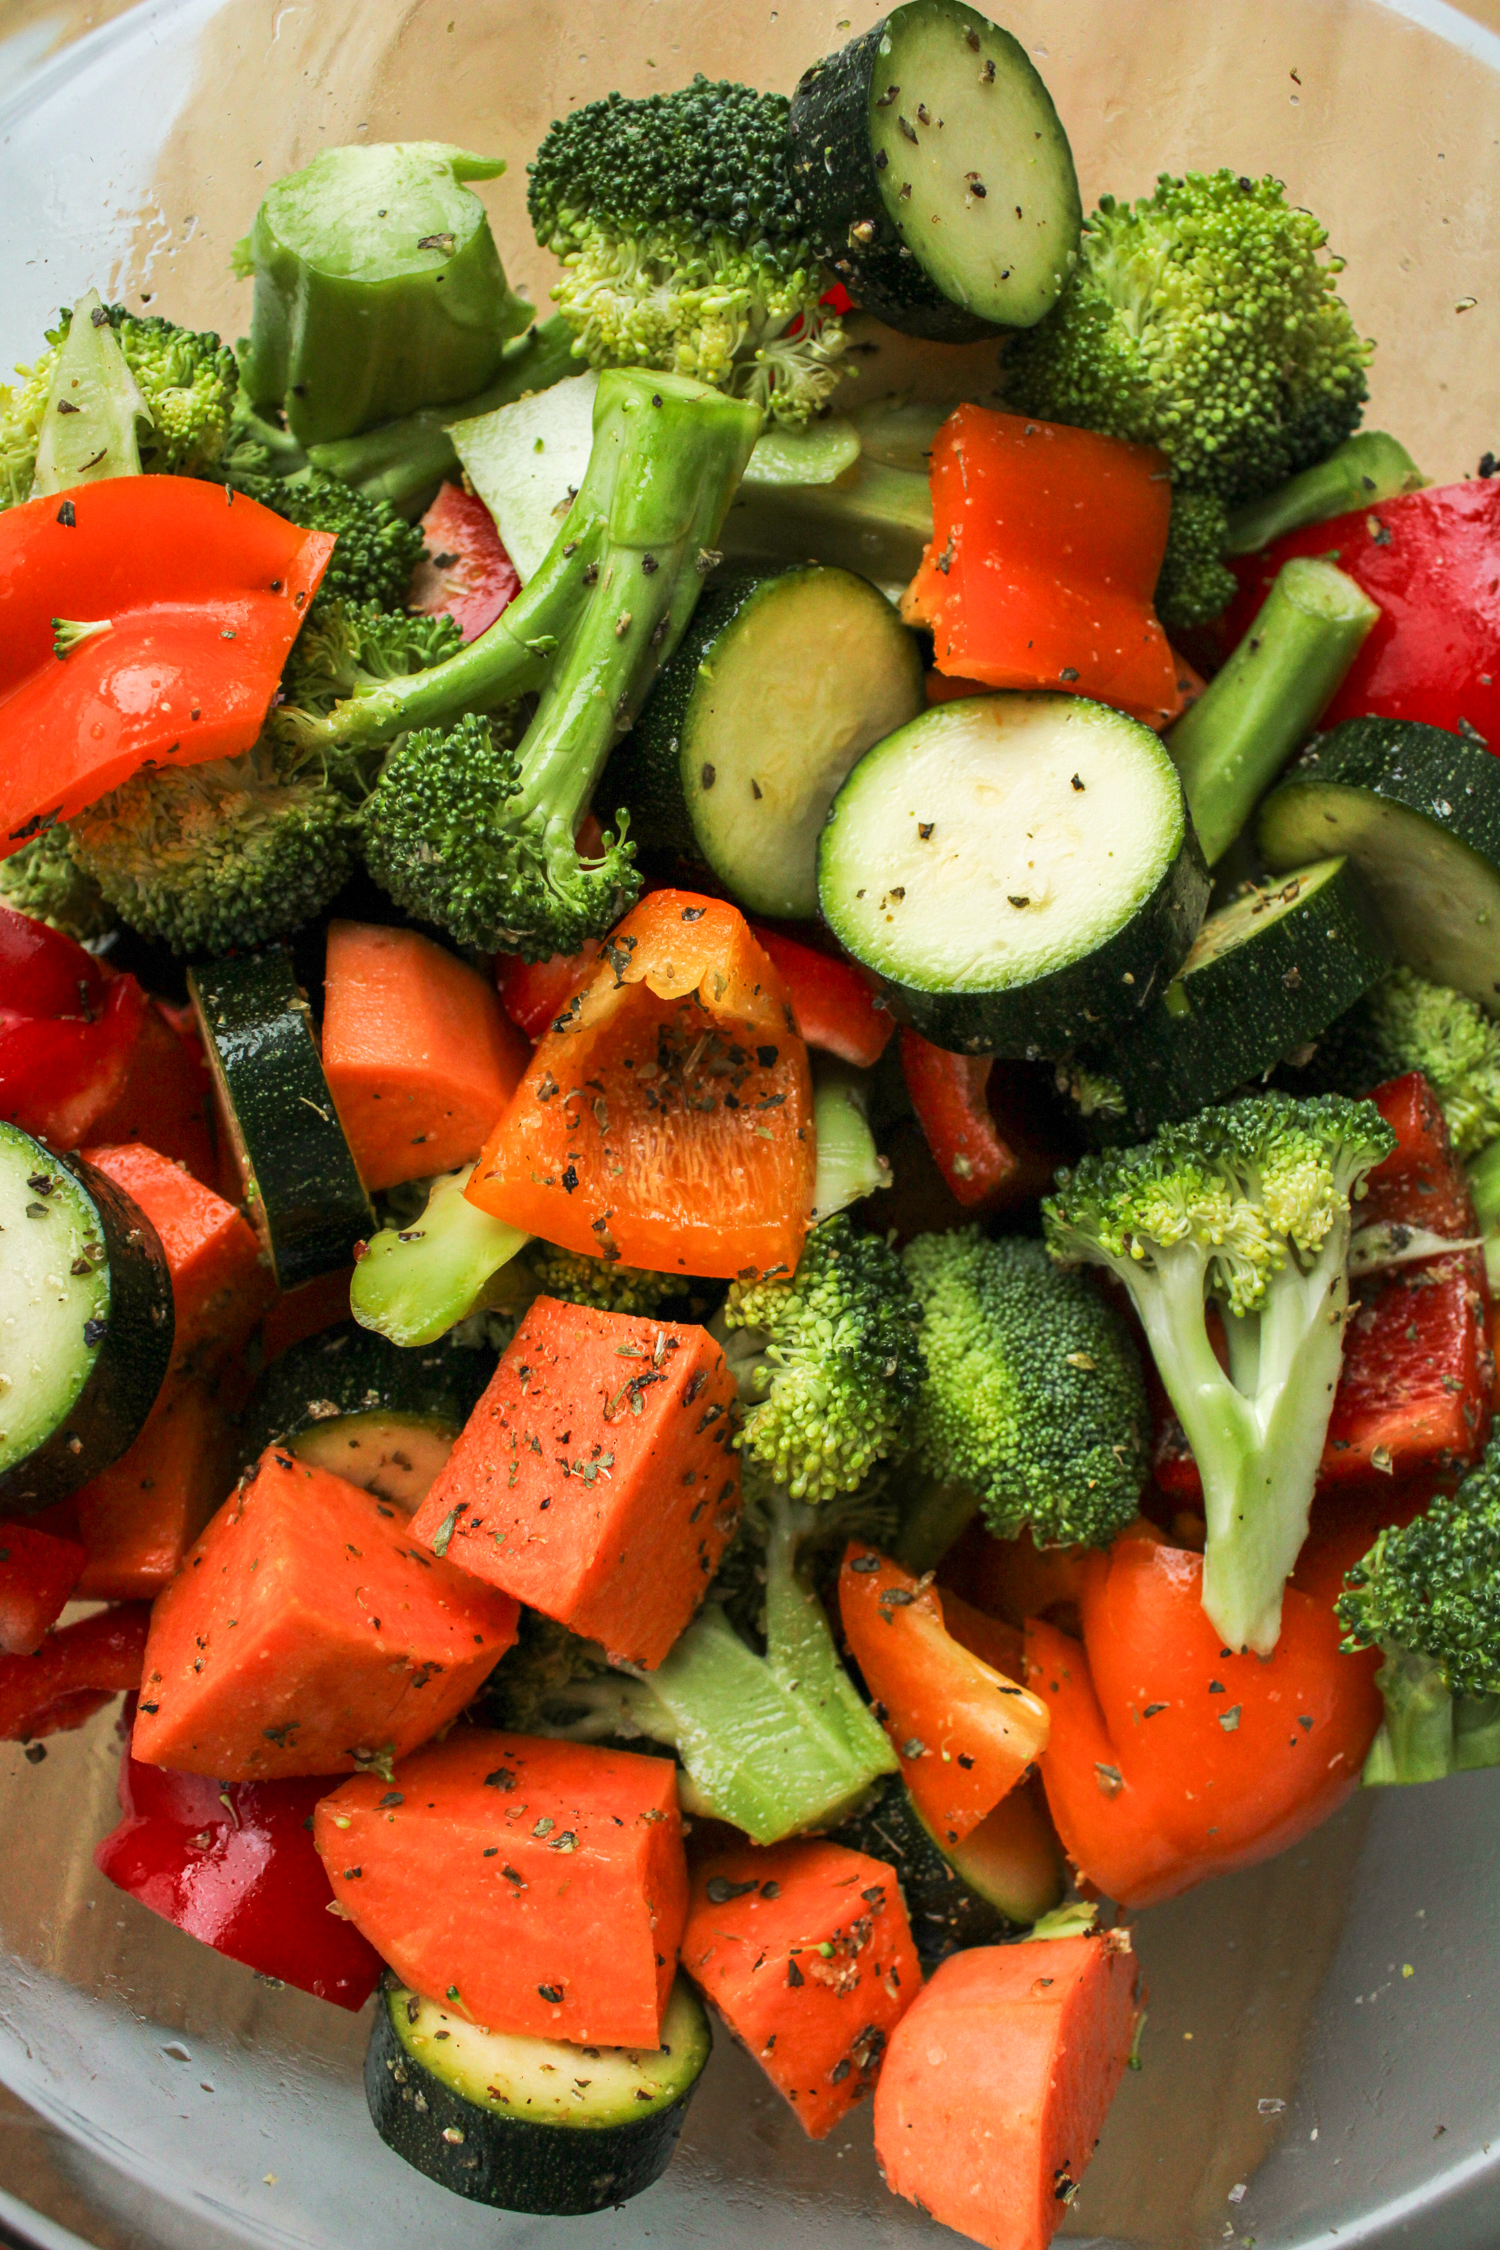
x,y
1317,2058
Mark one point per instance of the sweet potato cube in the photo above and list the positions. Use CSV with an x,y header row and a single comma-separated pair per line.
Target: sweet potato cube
x,y
306,1634
595,1478
139,1517
533,1886
805,1951
221,1283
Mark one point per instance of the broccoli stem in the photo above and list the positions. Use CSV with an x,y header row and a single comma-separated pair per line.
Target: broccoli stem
x,y
1360,473
412,1284
1484,1186
1235,739
1416,1739
404,462
849,1166
874,519
93,406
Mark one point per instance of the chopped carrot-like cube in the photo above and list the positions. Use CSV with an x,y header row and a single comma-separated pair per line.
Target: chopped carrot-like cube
x,y
139,1517
221,1283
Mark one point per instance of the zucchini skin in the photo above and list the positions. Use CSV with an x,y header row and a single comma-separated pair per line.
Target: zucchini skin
x,y
510,2163
946,1916
133,1359
354,1371
838,189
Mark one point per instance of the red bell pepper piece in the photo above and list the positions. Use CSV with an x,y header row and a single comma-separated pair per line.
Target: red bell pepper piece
x,y
1169,1760
73,1673
37,1576
535,993
466,573
666,1118
164,1097
202,594
973,1113
1047,543
234,1865
67,1031
833,1001
1432,562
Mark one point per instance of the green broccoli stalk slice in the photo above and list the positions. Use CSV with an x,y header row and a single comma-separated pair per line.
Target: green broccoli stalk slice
x,y
475,834
90,424
1033,1408
423,1273
1231,744
827,1362
850,1167
677,226
43,879
1195,583
1249,1208
1428,1596
1203,320
775,1741
1366,469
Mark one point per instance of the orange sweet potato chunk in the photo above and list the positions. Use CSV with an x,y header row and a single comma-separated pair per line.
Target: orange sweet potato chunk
x,y
221,1283
139,1517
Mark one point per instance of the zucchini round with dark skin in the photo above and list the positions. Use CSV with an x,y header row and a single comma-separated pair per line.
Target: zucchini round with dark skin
x,y
780,685
992,1886
380,1417
300,1186
527,2124
1018,870
86,1322
1418,812
933,176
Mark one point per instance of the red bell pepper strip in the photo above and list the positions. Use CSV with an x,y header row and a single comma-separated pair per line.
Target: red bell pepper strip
x,y
234,1865
1431,560
1169,1760
833,1001
972,1111
37,1576
1047,543
68,1027
73,1673
202,594
666,1118
164,1098
535,993
465,573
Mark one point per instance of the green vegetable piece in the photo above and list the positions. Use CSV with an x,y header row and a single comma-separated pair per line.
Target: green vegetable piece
x,y
43,879
415,1283
1366,469
93,406
1194,583
378,288
1231,744
849,1165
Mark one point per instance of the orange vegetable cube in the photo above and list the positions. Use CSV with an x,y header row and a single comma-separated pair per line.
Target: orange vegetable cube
x,y
139,1517
221,1283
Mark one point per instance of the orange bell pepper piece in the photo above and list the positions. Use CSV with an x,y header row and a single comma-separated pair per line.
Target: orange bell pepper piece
x,y
666,1118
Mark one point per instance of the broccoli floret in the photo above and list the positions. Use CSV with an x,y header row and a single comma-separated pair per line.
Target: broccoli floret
x,y
1202,320
827,1362
1033,1410
228,853
1248,1207
1428,1596
1195,583
594,1281
346,648
377,550
43,879
476,833
187,382
774,1741
676,224
1404,1023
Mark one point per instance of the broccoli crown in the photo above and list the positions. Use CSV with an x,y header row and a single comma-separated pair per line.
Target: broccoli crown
x,y
595,1281
1433,1588
449,835
43,879
529,1692
377,550
188,381
1034,1397
1405,1024
828,1362
345,647
1195,583
1250,1189
1202,320
228,853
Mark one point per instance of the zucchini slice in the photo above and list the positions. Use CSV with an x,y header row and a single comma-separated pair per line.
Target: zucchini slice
x,y
528,2124
992,1886
1019,870
380,1417
1418,812
1267,973
86,1323
779,686
301,1188
933,175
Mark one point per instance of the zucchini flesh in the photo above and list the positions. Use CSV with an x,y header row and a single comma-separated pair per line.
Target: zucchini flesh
x,y
1267,973
934,176
527,2124
86,1322
1418,812
1019,871
301,1188
778,689
991,1887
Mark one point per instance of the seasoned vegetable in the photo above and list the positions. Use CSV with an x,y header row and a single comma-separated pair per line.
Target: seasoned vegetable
x,y
998,1880
140,1517
413,1283
38,1573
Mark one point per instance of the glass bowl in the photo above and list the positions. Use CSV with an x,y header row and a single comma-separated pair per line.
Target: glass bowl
x,y
1318,2059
